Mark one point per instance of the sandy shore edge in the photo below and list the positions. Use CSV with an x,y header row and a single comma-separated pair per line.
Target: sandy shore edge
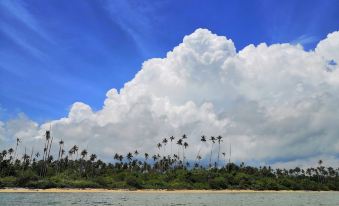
x,y
92,190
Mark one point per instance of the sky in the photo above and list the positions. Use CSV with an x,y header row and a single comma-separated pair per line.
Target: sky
x,y
135,71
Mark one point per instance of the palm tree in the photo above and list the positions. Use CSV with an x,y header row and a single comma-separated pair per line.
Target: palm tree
x,y
76,149
62,153
47,138
16,146
159,145
37,155
184,136
219,138
71,152
83,154
116,156
145,162
164,142
202,140
185,145
92,157
61,143
171,138
319,169
129,156
179,143
10,152
213,141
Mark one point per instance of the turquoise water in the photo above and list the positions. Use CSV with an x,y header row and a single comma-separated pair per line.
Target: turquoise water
x,y
172,199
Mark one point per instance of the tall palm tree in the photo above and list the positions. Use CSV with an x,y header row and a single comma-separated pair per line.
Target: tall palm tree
x,y
83,154
145,162
10,152
75,149
164,142
171,138
159,145
202,141
185,145
129,157
213,141
47,138
219,139
179,143
61,143
18,141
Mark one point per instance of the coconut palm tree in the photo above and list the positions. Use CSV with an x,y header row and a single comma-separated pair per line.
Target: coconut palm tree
x,y
76,149
61,143
92,157
179,143
185,145
18,141
83,154
164,142
213,142
219,139
159,145
202,141
171,138
10,152
184,136
129,156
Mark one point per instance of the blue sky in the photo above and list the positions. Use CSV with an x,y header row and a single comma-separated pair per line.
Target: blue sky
x,y
53,53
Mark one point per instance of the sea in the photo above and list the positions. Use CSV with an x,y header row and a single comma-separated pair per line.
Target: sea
x,y
172,199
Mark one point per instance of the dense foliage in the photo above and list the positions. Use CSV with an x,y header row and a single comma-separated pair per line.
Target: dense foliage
x,y
136,171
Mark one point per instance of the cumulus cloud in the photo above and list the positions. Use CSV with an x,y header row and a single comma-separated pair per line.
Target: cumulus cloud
x,y
275,103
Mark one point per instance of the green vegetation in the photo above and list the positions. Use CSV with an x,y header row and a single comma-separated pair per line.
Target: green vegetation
x,y
170,171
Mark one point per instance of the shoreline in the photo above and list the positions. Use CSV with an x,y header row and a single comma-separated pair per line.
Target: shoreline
x,y
97,190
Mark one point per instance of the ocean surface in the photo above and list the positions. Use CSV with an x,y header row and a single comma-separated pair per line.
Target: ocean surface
x,y
172,199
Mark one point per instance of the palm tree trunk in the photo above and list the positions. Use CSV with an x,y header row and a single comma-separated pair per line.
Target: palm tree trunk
x,y
218,155
211,155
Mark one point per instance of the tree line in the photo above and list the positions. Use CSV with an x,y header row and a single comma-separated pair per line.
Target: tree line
x,y
168,168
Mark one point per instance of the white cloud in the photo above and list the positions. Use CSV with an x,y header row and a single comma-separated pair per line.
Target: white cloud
x,y
270,101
